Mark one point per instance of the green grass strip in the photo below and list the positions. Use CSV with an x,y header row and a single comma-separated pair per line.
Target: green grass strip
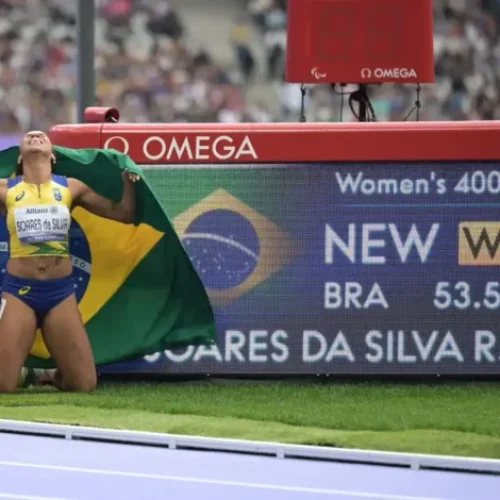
x,y
459,420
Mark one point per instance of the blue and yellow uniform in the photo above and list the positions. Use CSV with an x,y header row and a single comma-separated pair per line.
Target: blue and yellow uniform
x,y
38,221
38,218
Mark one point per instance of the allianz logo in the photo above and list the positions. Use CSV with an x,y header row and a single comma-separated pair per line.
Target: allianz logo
x,y
31,211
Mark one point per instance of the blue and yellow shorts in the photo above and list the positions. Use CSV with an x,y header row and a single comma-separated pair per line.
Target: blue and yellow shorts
x,y
41,295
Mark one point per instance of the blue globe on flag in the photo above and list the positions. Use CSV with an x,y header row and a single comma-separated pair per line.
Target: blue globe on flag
x,y
223,247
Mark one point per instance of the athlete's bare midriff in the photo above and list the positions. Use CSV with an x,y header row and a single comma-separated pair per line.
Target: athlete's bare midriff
x,y
40,268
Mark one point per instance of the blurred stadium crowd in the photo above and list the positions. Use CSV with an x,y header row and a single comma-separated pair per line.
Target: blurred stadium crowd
x,y
147,66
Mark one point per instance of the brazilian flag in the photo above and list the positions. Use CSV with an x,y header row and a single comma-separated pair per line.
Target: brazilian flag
x,y
137,290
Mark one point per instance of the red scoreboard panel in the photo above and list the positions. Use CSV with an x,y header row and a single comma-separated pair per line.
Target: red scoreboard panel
x,y
360,41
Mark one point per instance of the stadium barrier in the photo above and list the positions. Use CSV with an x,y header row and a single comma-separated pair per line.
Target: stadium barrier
x,y
260,448
357,249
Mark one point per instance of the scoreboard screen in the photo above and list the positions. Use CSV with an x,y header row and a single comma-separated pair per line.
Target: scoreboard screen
x,y
359,268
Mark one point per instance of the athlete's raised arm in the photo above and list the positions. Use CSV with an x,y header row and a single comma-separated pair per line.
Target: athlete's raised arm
x,y
87,198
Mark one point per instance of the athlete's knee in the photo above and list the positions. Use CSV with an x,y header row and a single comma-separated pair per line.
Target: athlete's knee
x,y
84,383
8,385
88,386
10,377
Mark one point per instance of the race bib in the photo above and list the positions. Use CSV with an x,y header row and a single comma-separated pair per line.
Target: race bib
x,y
42,223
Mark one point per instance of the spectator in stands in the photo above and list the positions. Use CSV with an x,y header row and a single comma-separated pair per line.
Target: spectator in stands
x,y
165,22
272,20
241,39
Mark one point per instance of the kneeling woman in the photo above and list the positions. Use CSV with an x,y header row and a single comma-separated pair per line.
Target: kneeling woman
x,y
38,288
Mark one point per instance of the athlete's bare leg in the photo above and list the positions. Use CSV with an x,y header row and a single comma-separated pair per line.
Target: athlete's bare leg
x,y
17,335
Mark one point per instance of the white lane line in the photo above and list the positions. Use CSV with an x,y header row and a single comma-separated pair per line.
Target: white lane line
x,y
219,482
12,496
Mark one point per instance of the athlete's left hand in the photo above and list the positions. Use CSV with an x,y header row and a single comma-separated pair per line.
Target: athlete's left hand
x,y
132,177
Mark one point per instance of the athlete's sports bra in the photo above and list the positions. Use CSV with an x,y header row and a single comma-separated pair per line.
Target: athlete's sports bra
x,y
38,218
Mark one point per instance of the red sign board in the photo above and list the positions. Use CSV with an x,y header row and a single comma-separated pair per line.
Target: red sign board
x,y
163,144
360,41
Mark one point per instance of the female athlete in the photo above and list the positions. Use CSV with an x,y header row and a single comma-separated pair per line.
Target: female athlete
x,y
38,287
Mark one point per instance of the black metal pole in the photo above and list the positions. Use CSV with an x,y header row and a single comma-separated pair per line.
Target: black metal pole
x,y
86,56
363,109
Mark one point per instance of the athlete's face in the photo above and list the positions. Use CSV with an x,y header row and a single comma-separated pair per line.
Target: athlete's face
x,y
36,141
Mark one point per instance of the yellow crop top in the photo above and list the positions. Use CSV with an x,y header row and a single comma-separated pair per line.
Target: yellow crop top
x,y
38,218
